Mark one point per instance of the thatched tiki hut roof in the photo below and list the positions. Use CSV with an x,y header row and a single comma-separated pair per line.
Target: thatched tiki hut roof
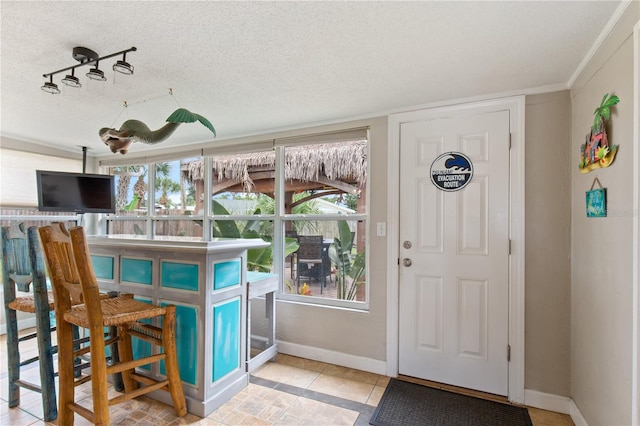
x,y
332,168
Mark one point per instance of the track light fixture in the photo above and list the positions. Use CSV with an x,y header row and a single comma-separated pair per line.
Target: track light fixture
x,y
96,73
50,87
87,57
123,66
72,80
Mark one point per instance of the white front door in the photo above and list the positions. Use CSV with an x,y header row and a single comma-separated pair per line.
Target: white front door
x,y
454,295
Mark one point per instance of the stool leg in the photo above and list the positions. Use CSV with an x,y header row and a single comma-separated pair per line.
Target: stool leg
x,y
99,376
118,383
171,361
125,352
76,346
45,355
65,372
13,358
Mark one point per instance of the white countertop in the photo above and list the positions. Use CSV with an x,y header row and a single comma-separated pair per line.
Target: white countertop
x,y
176,243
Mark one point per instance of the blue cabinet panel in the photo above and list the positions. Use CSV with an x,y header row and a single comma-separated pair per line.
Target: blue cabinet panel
x,y
186,342
102,266
183,276
226,338
140,348
226,274
136,271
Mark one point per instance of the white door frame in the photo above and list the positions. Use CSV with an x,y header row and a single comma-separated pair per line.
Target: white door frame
x,y
635,360
516,106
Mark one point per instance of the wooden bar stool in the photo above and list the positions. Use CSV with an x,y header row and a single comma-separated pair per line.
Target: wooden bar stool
x,y
22,267
67,257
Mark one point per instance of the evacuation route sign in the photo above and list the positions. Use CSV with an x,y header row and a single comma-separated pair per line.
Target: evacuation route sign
x,y
451,171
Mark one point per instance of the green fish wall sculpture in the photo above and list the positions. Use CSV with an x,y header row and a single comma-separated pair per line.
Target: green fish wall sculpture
x,y
136,131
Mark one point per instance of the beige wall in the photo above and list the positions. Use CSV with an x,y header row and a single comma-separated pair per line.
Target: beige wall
x,y
548,243
578,324
350,332
601,273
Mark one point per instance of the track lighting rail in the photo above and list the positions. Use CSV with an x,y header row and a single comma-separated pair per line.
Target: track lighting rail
x,y
87,57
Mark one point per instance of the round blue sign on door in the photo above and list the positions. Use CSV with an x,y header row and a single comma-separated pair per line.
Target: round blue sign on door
x,y
451,171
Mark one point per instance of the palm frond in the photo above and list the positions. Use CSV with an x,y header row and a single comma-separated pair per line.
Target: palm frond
x,y
611,101
603,112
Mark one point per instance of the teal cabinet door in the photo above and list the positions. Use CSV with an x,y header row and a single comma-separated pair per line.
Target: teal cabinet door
x,y
226,338
140,348
186,342
183,276
136,271
102,266
226,274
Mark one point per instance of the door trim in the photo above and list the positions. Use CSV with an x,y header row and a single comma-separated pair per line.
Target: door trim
x,y
635,359
516,106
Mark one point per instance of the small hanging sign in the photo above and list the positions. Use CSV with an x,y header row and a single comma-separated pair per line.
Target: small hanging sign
x,y
596,200
451,171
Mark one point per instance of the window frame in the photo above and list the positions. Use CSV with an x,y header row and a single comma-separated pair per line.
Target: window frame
x,y
279,218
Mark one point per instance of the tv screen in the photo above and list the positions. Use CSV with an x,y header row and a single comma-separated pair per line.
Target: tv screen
x,y
75,192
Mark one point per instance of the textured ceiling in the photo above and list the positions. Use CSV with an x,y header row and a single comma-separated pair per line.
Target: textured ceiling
x,y
258,66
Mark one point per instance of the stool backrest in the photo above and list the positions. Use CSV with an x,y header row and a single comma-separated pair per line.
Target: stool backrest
x,y
16,266
56,245
22,263
90,289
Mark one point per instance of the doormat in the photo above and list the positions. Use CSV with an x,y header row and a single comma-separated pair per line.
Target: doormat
x,y
409,404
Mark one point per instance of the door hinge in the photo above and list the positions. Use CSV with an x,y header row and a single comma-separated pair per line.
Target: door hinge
x,y
509,246
509,140
508,353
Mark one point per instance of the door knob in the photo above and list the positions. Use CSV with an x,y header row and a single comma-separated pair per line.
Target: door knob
x,y
406,262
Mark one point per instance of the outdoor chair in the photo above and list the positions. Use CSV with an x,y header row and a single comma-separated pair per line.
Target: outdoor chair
x,y
22,267
69,262
312,259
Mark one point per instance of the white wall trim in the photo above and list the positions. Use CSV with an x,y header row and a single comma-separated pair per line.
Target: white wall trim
x,y
332,357
557,403
547,401
516,106
606,30
576,415
635,344
23,324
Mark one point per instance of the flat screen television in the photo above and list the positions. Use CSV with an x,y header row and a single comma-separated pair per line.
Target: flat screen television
x,y
75,192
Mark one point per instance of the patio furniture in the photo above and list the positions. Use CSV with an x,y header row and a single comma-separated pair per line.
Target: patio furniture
x,y
22,267
69,263
312,259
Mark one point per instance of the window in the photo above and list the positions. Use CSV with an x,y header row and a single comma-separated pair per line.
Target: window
x,y
325,212
18,197
307,196
155,198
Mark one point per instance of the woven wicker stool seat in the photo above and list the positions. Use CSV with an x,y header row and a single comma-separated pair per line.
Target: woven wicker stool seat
x,y
78,303
28,304
23,270
115,311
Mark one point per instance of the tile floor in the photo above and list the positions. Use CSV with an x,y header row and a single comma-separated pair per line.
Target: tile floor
x,y
288,391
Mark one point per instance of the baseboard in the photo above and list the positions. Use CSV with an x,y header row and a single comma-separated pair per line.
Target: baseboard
x,y
576,415
332,357
22,324
547,401
557,403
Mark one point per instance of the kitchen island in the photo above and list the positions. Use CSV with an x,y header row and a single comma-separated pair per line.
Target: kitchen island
x,y
207,281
